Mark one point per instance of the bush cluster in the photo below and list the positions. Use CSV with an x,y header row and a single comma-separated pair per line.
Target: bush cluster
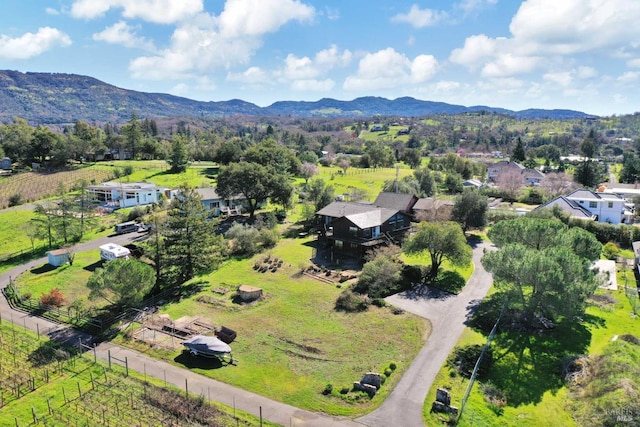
x,y
463,360
351,302
53,298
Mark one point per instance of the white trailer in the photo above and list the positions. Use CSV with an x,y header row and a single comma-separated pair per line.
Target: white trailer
x,y
111,251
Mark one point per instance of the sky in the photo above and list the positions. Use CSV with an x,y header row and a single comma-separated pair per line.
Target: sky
x,y
573,54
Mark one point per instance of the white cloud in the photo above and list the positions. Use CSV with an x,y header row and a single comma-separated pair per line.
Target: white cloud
x,y
508,64
470,6
307,68
258,17
29,45
51,11
205,43
252,75
563,78
476,50
419,18
158,11
554,30
629,77
586,72
446,86
313,85
634,63
387,69
181,89
123,34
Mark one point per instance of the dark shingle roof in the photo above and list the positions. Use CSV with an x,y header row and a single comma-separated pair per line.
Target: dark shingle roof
x,y
569,206
360,214
397,201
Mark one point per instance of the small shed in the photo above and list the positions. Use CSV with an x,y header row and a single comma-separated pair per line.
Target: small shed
x,y
5,163
249,293
58,257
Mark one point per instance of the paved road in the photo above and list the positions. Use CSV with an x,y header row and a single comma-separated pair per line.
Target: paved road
x,y
403,407
447,314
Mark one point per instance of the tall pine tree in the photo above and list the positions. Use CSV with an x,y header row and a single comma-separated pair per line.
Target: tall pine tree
x,y
191,245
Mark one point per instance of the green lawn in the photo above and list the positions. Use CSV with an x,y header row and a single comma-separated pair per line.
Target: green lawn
x,y
528,368
70,279
293,343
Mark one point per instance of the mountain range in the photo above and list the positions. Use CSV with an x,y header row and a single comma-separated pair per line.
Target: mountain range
x,y
55,98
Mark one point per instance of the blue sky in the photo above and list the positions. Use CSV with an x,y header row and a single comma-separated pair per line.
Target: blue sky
x,y
576,54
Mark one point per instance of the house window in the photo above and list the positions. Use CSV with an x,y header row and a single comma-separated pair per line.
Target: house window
x,y
593,204
610,205
353,231
339,244
214,205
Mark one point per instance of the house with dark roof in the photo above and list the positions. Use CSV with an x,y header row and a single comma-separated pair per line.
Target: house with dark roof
x,y
570,207
402,202
352,229
529,176
433,209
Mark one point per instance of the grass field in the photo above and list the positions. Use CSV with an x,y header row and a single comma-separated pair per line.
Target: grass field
x,y
293,343
45,384
528,368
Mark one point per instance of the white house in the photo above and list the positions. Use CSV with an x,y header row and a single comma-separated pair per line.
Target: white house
x,y
125,194
606,207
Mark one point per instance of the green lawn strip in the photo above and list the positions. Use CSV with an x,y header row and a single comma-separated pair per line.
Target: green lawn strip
x,y
369,180
12,229
293,343
529,368
70,279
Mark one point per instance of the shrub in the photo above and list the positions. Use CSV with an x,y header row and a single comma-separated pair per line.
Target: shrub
x,y
464,360
351,302
345,390
15,199
379,302
412,274
380,277
387,372
393,366
610,250
53,298
269,238
397,311
327,389
136,213
127,170
245,239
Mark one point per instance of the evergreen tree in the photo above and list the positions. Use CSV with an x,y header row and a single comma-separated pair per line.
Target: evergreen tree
x,y
178,159
518,152
470,209
191,245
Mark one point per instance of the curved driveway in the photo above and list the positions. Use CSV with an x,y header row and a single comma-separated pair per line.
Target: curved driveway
x,y
447,314
403,407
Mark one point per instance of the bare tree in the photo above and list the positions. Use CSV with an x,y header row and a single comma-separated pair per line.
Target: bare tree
x,y
511,182
344,164
307,170
557,183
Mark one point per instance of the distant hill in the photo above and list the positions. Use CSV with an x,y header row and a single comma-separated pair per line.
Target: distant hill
x,y
49,98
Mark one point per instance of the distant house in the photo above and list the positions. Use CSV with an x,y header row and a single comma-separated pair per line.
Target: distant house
x,y
211,200
432,209
58,257
351,228
125,195
471,183
606,207
636,257
530,177
5,163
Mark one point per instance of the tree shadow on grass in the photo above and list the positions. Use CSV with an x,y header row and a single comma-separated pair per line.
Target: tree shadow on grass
x,y
528,363
92,267
449,281
44,268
